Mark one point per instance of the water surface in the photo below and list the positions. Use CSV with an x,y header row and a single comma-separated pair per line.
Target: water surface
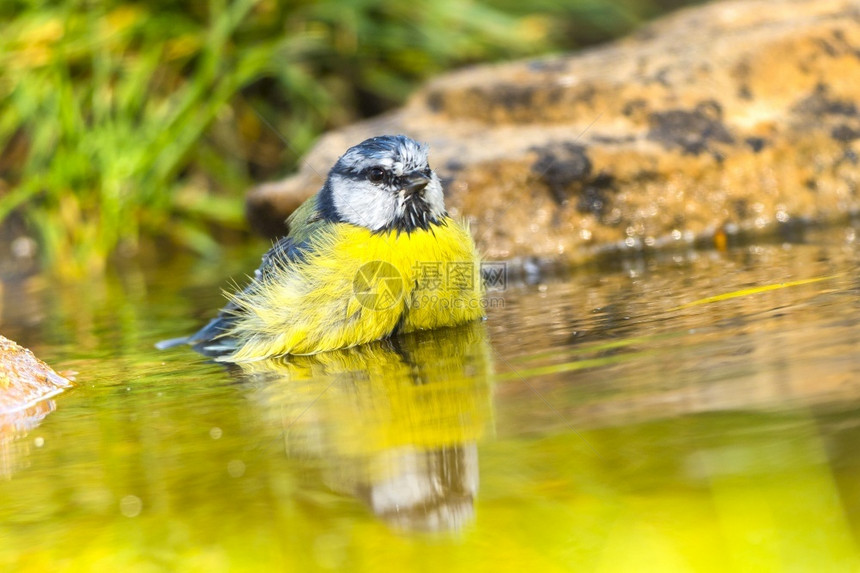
x,y
692,411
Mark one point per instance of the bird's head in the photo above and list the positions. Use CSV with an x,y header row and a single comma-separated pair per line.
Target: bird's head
x,y
384,183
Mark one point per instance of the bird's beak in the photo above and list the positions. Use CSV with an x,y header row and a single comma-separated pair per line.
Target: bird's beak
x,y
414,182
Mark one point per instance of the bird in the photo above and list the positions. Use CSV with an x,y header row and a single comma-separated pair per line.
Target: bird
x,y
371,255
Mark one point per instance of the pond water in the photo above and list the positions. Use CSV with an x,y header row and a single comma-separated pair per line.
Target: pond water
x,y
688,411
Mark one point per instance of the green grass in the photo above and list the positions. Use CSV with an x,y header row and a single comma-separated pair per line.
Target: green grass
x,y
122,122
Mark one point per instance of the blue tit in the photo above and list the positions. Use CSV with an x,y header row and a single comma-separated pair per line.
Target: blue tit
x,y
372,254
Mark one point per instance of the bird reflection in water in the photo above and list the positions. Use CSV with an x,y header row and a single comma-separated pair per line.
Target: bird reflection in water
x,y
394,423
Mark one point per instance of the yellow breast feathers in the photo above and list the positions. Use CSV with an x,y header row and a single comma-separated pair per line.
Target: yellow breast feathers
x,y
352,286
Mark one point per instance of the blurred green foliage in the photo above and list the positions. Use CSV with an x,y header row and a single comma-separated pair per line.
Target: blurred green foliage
x,y
123,120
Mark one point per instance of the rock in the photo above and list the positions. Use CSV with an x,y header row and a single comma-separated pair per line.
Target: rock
x,y
24,379
740,116
26,383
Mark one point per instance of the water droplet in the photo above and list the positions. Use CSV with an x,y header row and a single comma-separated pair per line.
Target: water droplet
x,y
236,468
130,506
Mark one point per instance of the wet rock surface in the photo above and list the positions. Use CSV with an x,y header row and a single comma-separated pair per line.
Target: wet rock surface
x,y
24,379
735,117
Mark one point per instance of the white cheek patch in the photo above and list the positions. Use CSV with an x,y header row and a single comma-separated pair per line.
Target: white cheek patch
x,y
362,203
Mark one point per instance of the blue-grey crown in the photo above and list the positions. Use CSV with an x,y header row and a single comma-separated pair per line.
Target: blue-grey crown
x,y
384,148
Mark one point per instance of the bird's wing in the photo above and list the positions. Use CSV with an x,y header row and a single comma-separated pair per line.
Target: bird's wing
x,y
303,224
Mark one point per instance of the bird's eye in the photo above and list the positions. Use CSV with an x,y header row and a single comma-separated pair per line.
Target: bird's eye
x,y
376,174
